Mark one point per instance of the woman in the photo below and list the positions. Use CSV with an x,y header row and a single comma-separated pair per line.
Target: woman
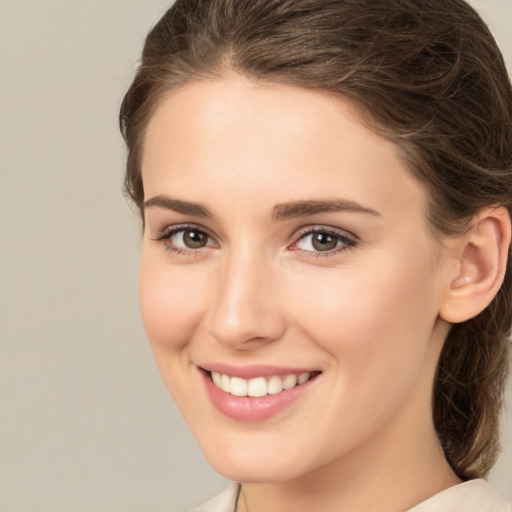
x,y
325,188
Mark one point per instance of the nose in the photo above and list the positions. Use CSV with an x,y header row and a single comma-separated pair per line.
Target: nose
x,y
245,308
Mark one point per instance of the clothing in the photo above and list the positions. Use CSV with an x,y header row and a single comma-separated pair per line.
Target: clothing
x,y
224,502
470,496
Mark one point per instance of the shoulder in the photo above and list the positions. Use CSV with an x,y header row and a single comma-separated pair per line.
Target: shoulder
x,y
470,496
224,502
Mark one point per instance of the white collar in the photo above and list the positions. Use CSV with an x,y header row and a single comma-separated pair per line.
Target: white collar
x,y
470,496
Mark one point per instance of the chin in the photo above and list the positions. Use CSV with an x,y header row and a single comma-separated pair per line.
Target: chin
x,y
254,463
248,470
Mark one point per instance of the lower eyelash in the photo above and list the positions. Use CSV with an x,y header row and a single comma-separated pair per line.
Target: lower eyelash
x,y
178,251
326,254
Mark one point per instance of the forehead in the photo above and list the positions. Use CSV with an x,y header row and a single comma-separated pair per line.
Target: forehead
x,y
257,114
237,138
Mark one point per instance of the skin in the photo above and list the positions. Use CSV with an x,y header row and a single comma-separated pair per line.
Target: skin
x,y
367,316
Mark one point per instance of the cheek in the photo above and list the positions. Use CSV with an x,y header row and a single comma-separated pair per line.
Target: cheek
x,y
171,303
171,310
376,318
376,327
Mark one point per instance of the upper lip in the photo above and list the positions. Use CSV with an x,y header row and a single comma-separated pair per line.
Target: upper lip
x,y
254,370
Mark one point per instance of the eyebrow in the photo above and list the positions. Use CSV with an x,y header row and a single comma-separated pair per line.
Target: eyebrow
x,y
282,211
179,206
305,208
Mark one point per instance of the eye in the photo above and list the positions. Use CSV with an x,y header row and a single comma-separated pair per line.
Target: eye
x,y
189,238
185,239
323,240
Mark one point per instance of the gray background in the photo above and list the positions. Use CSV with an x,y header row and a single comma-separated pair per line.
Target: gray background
x,y
86,424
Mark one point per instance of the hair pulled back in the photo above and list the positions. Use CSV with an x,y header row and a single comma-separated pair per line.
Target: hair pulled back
x,y
426,74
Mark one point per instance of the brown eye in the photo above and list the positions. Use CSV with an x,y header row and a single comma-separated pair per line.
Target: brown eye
x,y
185,238
324,242
194,239
321,240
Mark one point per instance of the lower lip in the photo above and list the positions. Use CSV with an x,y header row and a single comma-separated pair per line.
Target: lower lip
x,y
247,408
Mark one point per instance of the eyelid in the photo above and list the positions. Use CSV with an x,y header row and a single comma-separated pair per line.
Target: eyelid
x,y
349,240
163,236
322,228
172,229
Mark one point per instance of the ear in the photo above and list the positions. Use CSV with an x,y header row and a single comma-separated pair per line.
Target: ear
x,y
482,261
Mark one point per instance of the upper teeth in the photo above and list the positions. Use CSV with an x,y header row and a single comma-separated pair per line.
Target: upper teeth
x,y
259,386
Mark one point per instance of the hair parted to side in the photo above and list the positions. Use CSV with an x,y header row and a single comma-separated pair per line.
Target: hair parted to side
x,y
426,74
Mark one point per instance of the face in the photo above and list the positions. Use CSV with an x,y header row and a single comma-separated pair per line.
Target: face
x,y
286,256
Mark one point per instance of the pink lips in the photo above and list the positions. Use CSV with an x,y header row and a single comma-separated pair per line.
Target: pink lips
x,y
252,408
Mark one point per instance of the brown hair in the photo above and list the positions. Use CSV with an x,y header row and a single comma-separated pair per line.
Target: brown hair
x,y
427,75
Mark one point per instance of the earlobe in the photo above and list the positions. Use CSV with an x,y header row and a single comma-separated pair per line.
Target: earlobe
x,y
483,254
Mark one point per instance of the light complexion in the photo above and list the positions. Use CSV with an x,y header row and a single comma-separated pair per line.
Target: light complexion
x,y
284,238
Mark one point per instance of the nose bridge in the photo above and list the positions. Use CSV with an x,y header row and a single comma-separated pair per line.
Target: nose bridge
x,y
245,306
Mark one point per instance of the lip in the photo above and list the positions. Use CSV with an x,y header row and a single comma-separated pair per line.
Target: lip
x,y
253,408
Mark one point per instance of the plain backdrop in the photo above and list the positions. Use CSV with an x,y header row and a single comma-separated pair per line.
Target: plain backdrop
x,y
85,423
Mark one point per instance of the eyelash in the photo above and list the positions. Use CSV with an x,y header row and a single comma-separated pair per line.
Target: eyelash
x,y
165,236
348,241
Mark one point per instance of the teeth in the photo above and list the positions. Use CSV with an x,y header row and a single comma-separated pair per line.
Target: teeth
x,y
238,386
225,383
289,381
217,379
274,385
259,386
303,377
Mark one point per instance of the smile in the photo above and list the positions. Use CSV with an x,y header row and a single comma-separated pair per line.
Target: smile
x,y
259,386
256,393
